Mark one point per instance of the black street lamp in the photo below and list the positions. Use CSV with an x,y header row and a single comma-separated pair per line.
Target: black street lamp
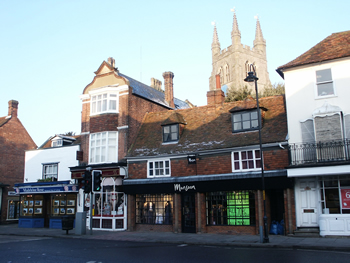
x,y
253,78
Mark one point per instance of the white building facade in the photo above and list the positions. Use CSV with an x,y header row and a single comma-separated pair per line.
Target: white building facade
x,y
317,90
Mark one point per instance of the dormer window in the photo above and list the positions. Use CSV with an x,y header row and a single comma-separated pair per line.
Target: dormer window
x,y
171,133
57,143
103,103
324,82
244,120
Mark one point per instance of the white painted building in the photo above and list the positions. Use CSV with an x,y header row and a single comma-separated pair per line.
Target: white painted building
x,y
48,194
317,87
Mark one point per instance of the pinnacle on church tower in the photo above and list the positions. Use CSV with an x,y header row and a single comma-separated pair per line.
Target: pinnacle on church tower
x,y
235,34
215,46
259,41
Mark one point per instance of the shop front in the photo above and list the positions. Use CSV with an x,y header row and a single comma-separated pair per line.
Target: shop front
x,y
209,204
324,202
44,204
108,204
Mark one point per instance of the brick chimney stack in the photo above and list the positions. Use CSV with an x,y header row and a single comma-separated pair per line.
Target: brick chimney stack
x,y
111,61
216,96
169,88
13,108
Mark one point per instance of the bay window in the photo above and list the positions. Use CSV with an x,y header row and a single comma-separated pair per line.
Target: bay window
x,y
104,103
103,147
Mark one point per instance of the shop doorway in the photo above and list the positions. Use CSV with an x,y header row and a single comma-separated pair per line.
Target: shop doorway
x,y
188,202
307,202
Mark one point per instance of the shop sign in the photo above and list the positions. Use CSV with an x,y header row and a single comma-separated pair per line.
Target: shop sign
x,y
345,198
48,189
191,159
179,187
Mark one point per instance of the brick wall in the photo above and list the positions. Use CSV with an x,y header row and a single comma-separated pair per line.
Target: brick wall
x,y
14,140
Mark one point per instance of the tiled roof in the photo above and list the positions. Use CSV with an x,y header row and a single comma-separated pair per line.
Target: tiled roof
x,y
47,143
210,128
152,94
333,47
3,120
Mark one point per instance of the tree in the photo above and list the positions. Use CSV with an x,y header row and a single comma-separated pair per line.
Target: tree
x,y
234,94
70,133
275,89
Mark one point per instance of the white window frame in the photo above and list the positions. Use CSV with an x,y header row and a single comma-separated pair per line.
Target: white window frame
x,y
53,171
240,160
330,81
101,101
159,165
57,142
103,147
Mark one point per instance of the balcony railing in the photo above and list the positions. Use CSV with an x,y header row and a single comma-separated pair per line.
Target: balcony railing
x,y
319,152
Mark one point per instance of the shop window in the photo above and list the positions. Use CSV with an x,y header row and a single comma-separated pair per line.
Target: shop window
x,y
335,195
244,120
246,160
63,204
158,168
104,103
324,82
13,210
103,147
171,133
50,171
154,209
235,208
32,205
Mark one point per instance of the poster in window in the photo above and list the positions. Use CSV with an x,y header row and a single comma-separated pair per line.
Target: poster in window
x,y
63,211
71,202
31,202
56,211
70,211
25,203
30,210
63,202
38,211
25,210
56,203
345,198
38,202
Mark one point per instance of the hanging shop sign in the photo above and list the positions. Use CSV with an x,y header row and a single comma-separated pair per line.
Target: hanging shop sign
x,y
191,159
345,198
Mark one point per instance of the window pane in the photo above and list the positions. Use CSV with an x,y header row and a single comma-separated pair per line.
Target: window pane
x,y
244,155
151,165
245,116
323,75
173,128
251,164
236,165
167,163
166,129
237,126
113,105
250,155
257,154
244,165
254,115
246,124
237,117
236,155
255,124
325,89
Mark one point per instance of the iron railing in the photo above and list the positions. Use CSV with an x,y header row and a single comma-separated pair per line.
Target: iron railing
x,y
319,152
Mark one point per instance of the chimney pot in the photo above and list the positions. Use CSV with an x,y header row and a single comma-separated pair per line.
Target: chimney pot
x,y
13,108
169,88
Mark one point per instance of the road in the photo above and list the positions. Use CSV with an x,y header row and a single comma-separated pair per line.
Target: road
x,y
38,249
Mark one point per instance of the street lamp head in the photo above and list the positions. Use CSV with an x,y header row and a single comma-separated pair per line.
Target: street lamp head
x,y
251,77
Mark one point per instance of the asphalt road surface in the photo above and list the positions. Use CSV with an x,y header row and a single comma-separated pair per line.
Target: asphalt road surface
x,y
33,249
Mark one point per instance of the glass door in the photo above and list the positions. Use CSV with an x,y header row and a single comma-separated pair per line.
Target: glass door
x,y
188,202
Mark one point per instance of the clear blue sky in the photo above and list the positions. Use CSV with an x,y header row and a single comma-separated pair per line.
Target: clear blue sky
x,y
50,49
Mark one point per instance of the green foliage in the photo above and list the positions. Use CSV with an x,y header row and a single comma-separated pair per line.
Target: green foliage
x,y
275,89
45,180
70,133
234,94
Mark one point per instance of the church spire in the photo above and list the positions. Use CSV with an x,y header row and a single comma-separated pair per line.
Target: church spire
x,y
215,46
235,34
259,41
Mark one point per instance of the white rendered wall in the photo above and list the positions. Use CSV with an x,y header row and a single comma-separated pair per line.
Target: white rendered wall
x,y
65,156
301,99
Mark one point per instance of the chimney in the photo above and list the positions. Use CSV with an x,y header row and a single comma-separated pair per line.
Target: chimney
x,y
216,96
156,84
111,61
169,88
13,108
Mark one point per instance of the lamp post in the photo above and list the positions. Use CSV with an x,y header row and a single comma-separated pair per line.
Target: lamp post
x,y
253,78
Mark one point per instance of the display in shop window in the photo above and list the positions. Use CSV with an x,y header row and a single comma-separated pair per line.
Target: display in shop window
x,y
345,196
71,202
38,202
70,211
38,210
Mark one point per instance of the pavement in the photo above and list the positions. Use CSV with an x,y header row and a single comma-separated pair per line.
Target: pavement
x,y
336,243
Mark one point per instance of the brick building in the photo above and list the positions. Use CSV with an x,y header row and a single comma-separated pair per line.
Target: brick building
x,y
113,107
14,141
199,169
